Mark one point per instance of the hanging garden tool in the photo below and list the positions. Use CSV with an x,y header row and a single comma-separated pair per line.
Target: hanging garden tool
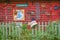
x,y
37,11
47,13
59,7
43,8
43,5
59,13
56,7
9,10
32,13
43,12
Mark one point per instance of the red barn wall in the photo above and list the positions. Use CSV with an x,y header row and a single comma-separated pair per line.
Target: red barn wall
x,y
7,15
